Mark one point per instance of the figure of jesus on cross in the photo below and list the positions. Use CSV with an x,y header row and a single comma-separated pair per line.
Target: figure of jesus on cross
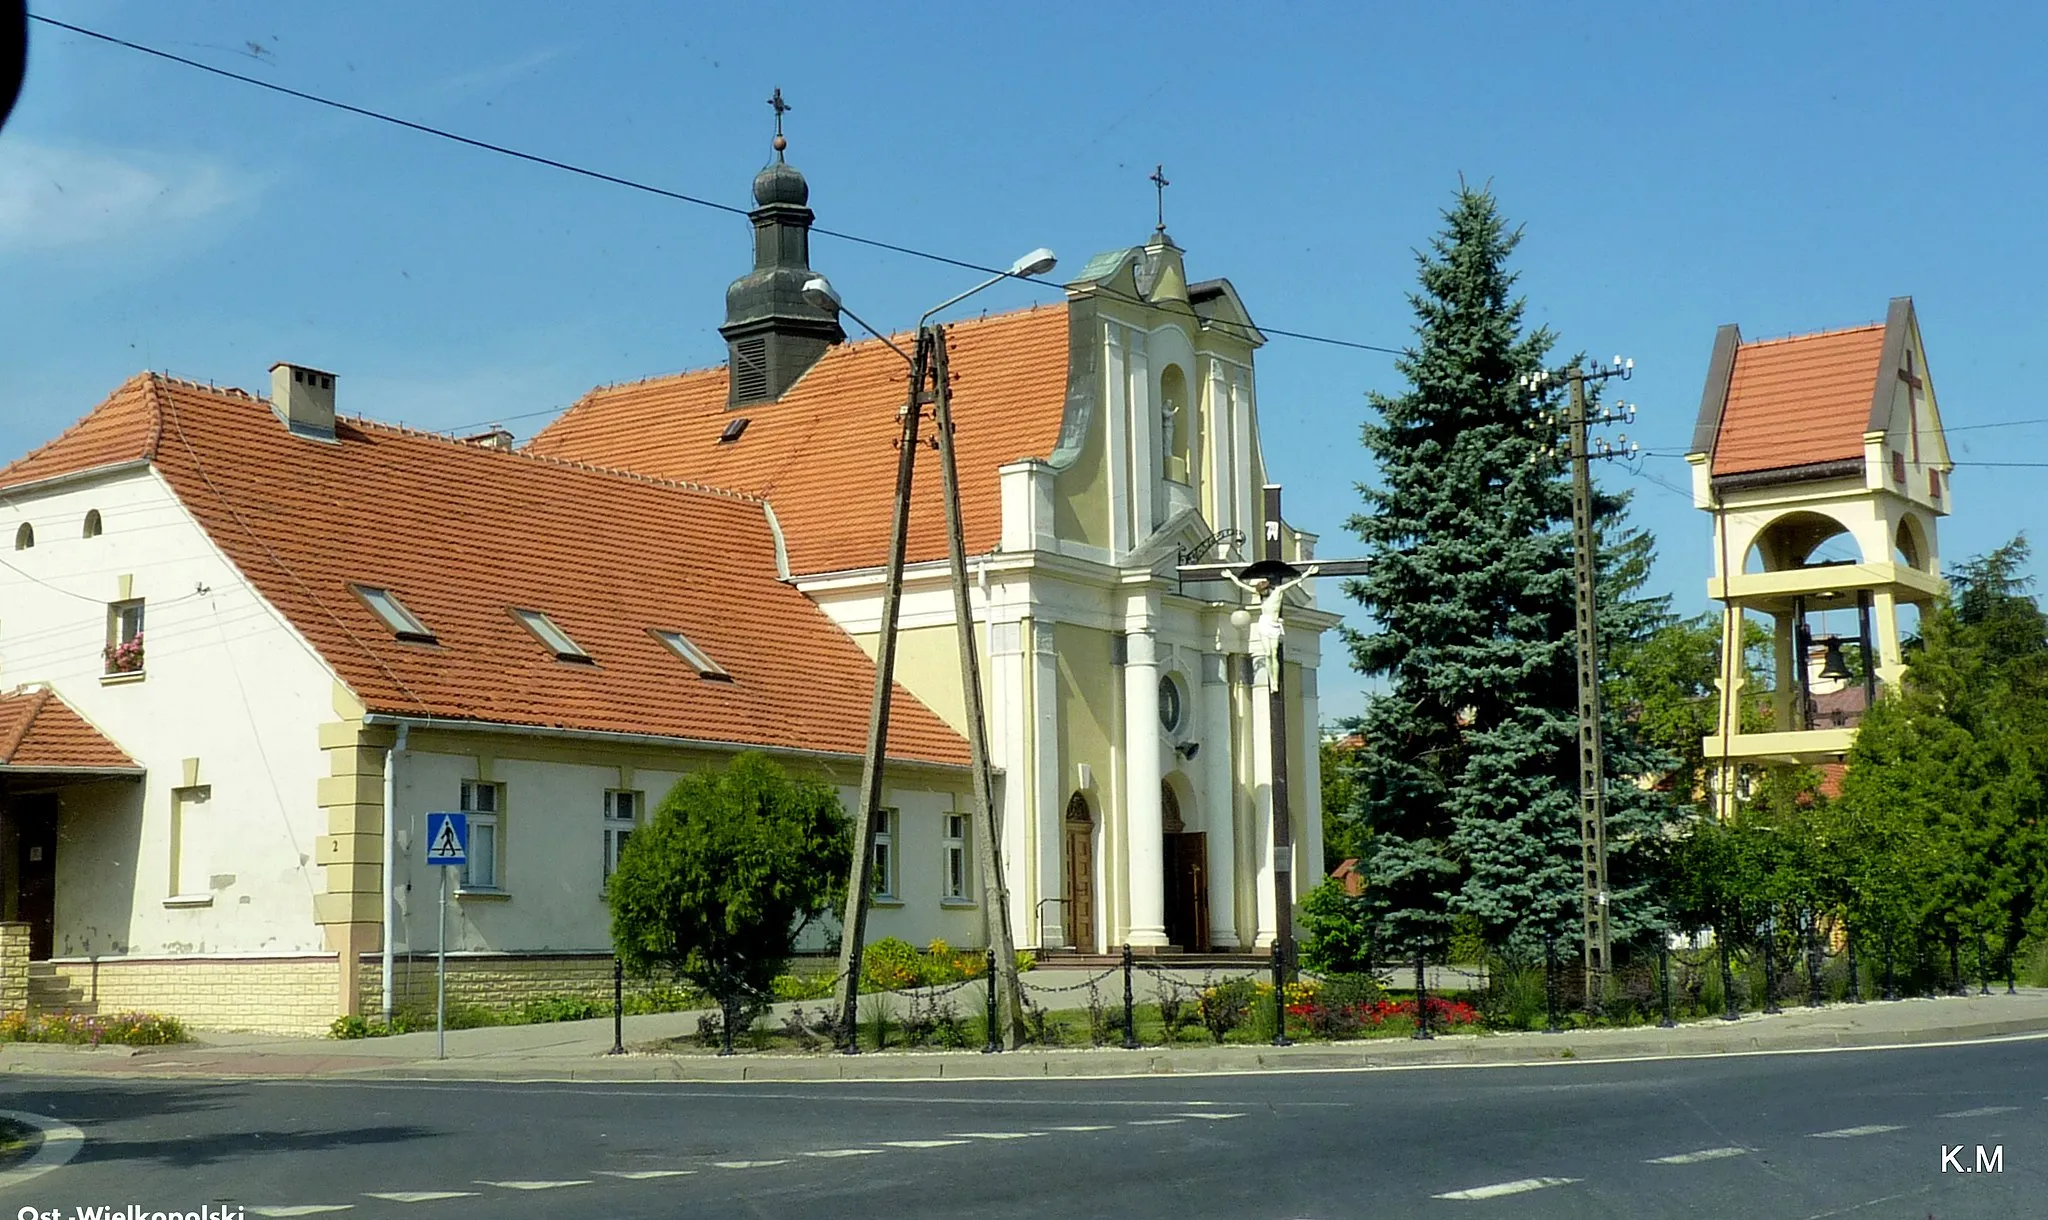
x,y
1268,632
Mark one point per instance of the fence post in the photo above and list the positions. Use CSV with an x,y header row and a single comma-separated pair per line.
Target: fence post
x,y
2011,971
1729,1011
729,1010
1891,989
1550,983
1280,1037
1813,959
1130,1014
1956,985
1855,970
993,1045
1664,978
1421,1000
1771,965
618,1007
1983,971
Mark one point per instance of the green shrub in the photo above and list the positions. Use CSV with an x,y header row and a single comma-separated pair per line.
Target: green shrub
x,y
1338,929
802,986
2032,957
662,998
1227,1005
890,964
1516,997
121,1029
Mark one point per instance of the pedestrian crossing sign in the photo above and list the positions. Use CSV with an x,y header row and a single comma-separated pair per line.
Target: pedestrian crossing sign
x,y
448,838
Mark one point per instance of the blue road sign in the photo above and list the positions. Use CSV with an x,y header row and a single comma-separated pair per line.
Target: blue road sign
x,y
448,838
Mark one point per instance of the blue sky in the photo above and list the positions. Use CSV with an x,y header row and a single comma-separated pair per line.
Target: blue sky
x,y
1677,166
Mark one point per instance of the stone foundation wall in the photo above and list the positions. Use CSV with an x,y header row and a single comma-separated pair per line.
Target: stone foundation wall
x,y
287,995
13,968
493,980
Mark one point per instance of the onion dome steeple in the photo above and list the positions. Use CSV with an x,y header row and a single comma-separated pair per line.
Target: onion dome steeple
x,y
772,335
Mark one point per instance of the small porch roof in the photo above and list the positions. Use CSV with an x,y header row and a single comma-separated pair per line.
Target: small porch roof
x,y
42,735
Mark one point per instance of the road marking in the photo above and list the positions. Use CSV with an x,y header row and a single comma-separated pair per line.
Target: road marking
x,y
1979,1112
923,1143
61,1142
1213,1117
1505,1188
418,1196
748,1164
997,1135
300,1209
834,1152
1848,1133
642,1175
535,1185
1154,1122
1085,1127
1691,1158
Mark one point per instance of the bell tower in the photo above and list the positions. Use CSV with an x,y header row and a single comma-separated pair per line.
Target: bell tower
x,y
1822,460
772,335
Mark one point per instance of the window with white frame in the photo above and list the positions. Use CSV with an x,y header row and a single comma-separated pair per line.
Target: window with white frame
x,y
484,803
955,846
882,873
621,818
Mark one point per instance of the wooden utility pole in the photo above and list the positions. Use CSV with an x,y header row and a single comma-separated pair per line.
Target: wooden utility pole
x,y
854,929
995,892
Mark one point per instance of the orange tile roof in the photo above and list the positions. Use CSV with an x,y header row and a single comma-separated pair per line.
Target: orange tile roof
x,y
824,455
463,533
41,732
1799,401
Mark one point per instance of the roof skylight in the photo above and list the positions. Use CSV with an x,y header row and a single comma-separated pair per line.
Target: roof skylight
x,y
732,431
556,639
385,605
693,656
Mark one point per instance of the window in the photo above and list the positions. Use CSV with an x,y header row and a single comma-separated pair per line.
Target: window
x,y
692,655
92,525
956,858
732,431
188,855
385,605
123,652
1169,705
24,537
556,639
483,803
621,816
882,873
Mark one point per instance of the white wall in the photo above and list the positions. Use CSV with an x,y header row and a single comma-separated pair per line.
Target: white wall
x,y
226,682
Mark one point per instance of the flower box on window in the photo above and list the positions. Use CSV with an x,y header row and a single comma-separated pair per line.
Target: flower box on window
x,y
125,657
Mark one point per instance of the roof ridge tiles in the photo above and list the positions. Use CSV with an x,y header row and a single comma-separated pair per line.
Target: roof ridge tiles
x,y
1813,334
545,459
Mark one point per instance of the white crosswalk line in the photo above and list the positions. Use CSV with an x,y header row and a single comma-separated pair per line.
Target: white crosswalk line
x,y
418,1196
1849,1133
1086,1127
1213,1117
299,1209
533,1184
1154,1122
1498,1189
923,1143
838,1152
1692,1158
997,1135
1979,1112
643,1175
748,1164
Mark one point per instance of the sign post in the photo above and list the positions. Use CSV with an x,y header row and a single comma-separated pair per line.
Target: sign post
x,y
447,848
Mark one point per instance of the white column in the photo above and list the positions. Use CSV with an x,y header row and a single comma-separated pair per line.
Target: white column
x,y
1145,877
1262,803
1219,801
1245,481
1116,409
1009,748
1048,786
1308,860
1222,445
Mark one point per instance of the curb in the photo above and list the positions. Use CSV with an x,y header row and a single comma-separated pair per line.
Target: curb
x,y
61,1141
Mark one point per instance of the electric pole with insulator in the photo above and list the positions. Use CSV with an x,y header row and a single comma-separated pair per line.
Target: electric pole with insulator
x,y
1576,448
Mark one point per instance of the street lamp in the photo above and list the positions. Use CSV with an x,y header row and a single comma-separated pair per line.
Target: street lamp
x,y
927,367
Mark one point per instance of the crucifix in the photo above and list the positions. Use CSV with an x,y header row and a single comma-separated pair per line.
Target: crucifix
x,y
1269,579
1159,185
1913,387
781,108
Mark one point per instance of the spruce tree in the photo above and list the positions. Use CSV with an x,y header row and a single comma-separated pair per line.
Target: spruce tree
x,y
1468,780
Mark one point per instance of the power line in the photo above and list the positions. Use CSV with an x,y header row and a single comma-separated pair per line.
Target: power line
x,y
665,193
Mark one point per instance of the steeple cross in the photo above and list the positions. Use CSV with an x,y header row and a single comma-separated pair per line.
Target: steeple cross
x,y
1913,387
781,108
1159,184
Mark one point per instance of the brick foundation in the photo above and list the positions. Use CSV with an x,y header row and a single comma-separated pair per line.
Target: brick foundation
x,y
294,995
495,980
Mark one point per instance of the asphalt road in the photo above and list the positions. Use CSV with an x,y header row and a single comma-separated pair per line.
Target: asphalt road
x,y
1802,1136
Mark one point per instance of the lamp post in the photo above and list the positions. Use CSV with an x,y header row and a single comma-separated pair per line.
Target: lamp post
x,y
929,383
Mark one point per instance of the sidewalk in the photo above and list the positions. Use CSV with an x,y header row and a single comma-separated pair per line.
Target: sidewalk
x,y
574,1051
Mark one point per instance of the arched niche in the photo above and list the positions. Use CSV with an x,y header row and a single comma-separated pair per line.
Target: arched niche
x,y
1909,545
93,526
24,537
1176,413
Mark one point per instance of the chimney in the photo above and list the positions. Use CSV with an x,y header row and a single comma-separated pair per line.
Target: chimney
x,y
496,438
304,399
